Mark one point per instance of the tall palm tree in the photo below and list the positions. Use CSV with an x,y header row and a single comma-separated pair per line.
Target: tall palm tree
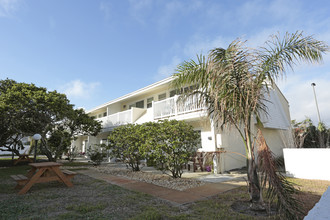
x,y
233,81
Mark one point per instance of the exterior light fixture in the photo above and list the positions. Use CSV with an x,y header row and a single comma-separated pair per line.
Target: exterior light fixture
x,y
36,137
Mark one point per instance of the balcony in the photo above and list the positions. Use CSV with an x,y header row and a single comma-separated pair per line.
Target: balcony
x,y
121,118
176,106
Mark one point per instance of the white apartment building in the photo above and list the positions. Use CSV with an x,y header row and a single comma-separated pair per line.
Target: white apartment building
x,y
159,101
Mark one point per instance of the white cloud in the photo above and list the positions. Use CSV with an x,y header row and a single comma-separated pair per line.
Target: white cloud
x,y
105,8
169,11
138,9
299,92
51,23
167,70
199,44
8,7
79,89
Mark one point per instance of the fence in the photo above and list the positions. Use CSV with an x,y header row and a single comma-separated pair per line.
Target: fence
x,y
308,163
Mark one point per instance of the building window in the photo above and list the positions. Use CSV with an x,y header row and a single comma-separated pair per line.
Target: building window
x,y
140,104
173,93
149,102
104,114
161,97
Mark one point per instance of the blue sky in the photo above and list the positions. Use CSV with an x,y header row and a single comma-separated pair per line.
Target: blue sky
x,y
97,50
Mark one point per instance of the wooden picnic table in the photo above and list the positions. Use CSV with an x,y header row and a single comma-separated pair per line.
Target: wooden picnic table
x,y
22,157
43,172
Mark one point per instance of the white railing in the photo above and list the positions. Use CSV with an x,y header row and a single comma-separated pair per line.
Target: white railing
x,y
165,108
122,118
176,105
117,119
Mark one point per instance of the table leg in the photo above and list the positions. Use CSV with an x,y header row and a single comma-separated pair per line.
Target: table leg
x,y
62,177
31,172
32,180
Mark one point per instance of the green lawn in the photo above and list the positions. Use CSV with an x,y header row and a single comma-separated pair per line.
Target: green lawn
x,y
95,199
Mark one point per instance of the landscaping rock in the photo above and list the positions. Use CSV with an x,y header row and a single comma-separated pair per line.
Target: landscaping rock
x,y
163,180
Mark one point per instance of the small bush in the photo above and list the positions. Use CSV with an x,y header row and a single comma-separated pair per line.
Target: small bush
x,y
72,154
96,155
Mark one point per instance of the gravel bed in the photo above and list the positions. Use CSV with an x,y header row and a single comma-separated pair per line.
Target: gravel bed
x,y
163,180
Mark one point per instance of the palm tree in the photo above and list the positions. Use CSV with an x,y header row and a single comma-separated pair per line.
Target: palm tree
x,y
233,81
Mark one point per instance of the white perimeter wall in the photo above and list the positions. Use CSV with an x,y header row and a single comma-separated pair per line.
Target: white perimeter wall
x,y
322,209
307,163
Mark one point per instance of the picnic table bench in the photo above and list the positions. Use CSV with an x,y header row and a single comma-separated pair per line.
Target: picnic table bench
x,y
23,157
43,172
20,179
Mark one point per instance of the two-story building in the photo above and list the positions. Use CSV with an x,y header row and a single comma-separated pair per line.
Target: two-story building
x,y
159,101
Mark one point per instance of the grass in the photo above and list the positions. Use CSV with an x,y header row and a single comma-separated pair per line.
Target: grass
x,y
86,207
96,199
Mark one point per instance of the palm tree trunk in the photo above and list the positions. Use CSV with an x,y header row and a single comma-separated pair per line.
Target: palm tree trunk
x,y
253,179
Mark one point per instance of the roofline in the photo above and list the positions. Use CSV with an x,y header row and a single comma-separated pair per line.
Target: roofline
x,y
151,86
281,93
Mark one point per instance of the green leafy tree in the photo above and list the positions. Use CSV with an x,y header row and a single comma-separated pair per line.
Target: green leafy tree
x,y
307,135
73,123
232,82
17,113
27,109
128,143
172,145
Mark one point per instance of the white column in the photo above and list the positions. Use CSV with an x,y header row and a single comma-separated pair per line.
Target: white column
x,y
213,131
175,105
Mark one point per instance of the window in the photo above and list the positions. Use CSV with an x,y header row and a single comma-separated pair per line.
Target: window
x,y
161,96
173,93
140,104
104,114
99,116
149,102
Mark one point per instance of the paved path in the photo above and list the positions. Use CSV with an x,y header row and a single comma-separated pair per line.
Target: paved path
x,y
174,196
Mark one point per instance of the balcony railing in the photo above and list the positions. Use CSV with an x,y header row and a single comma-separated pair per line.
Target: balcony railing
x,y
176,106
121,118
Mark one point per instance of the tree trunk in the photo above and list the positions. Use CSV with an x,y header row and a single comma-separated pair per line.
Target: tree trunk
x,y
321,139
44,150
253,179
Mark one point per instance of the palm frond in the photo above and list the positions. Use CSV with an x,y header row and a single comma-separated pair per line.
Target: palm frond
x,y
279,187
191,72
280,54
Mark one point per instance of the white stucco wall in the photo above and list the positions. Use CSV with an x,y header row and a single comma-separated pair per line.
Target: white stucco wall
x,y
207,141
233,144
277,139
148,116
307,163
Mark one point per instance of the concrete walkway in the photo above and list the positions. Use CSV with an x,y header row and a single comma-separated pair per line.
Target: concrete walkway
x,y
174,196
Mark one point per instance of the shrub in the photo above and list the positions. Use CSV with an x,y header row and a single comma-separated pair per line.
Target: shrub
x,y
173,144
167,145
72,154
128,143
96,155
